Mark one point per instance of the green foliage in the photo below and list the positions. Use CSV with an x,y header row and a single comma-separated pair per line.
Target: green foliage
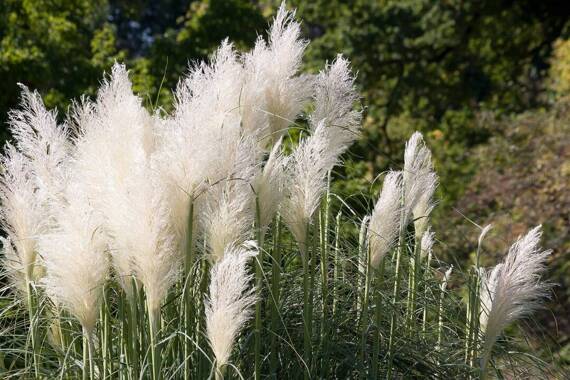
x,y
55,46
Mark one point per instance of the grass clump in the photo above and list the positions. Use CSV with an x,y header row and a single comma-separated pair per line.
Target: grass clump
x,y
203,244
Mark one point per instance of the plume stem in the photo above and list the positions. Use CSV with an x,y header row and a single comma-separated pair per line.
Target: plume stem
x,y
336,265
106,347
258,285
415,274
154,324
275,284
188,300
426,275
364,311
307,303
220,372
32,310
88,352
324,226
133,318
377,318
397,284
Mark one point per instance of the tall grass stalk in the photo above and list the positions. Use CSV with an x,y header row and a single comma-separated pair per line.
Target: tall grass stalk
x,y
395,295
441,310
33,320
337,263
364,323
324,217
187,293
105,338
426,247
88,355
375,360
307,306
275,292
413,286
258,289
155,347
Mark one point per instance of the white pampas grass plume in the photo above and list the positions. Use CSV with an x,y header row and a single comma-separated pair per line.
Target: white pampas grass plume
x,y
335,97
45,143
385,219
228,305
75,259
204,145
446,277
273,94
269,186
512,290
420,180
115,157
427,242
226,219
22,218
228,211
31,178
310,163
334,127
141,231
484,231
425,205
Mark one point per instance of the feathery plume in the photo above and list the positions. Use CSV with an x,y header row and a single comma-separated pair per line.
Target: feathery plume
x,y
139,225
226,219
335,125
446,277
425,205
273,94
45,143
310,163
202,145
22,217
427,242
419,180
229,207
228,305
335,97
75,259
115,155
269,186
512,290
31,179
385,219
483,233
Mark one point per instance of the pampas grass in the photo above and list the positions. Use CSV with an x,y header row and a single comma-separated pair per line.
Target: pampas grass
x,y
385,219
512,289
229,301
133,231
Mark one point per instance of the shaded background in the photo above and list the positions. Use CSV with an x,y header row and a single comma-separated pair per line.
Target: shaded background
x,y
487,82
